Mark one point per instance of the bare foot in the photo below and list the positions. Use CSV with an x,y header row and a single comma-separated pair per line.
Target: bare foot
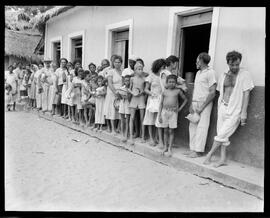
x,y
168,153
164,150
160,146
114,133
124,139
187,152
132,141
152,144
142,141
220,163
194,155
207,160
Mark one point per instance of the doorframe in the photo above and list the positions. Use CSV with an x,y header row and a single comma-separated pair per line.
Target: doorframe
x,y
54,40
109,29
174,32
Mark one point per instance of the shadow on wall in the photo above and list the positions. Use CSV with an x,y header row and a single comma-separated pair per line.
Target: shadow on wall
x,y
247,143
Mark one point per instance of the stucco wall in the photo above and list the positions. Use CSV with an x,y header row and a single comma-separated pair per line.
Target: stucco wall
x,y
242,29
149,31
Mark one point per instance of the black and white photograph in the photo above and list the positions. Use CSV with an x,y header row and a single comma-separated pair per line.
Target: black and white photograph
x,y
134,108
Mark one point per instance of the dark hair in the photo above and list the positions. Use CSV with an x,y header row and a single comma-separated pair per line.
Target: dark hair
x,y
77,61
64,60
87,72
92,65
141,60
171,76
94,74
100,77
204,57
28,64
108,62
70,63
233,56
171,59
127,76
76,70
157,65
118,57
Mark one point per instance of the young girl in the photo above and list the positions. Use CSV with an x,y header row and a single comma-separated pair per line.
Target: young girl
x,y
93,87
27,84
100,98
86,96
8,96
77,83
124,110
153,89
69,94
32,95
55,97
137,100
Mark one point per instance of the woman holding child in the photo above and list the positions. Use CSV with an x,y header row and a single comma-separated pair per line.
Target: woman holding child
x,y
114,83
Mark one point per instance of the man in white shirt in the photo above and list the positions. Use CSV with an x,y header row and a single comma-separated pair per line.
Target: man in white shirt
x,y
19,73
234,87
202,102
131,63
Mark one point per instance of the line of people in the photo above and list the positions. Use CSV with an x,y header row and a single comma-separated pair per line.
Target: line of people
x,y
129,101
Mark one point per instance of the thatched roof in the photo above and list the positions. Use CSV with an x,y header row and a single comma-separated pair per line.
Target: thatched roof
x,y
40,20
21,44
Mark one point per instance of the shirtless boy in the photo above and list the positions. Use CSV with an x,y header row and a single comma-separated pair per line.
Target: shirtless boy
x,y
168,111
234,87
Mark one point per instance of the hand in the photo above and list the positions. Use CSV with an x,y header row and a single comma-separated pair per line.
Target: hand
x,y
160,118
198,110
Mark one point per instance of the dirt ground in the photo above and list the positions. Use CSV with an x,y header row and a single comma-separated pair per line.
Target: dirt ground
x,y
49,167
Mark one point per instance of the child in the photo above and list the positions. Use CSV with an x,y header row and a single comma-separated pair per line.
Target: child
x,y
137,102
86,96
27,84
168,111
124,107
55,97
93,87
70,97
100,98
8,96
77,83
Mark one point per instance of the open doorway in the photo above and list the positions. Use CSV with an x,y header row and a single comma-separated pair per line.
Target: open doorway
x,y
57,52
194,38
120,40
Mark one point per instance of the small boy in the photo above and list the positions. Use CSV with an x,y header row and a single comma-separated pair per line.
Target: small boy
x,y
8,96
124,107
93,86
137,102
85,96
168,111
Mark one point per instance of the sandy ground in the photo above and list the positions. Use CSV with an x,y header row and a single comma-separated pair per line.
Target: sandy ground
x,y
46,170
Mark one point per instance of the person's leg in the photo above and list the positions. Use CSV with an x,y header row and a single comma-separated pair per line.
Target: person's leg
x,y
109,129
215,146
131,124
142,126
127,126
171,134
113,126
136,125
160,138
14,106
123,120
85,115
222,160
152,141
166,133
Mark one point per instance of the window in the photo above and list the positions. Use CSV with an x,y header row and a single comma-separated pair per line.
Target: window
x,y
120,45
56,52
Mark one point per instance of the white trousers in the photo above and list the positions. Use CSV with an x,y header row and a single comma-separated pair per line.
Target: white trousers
x,y
198,132
226,125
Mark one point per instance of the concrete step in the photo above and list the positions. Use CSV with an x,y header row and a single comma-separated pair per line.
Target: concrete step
x,y
235,175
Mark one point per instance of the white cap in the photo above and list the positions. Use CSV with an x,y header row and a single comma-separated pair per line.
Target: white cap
x,y
132,57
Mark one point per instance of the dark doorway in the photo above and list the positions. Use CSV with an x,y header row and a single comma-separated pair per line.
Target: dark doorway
x,y
196,40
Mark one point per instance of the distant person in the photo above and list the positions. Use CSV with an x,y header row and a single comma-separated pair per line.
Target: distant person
x,y
168,111
19,73
12,80
234,87
130,69
202,103
92,68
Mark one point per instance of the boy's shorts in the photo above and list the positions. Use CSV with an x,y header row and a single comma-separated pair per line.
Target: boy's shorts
x,y
169,119
137,102
124,107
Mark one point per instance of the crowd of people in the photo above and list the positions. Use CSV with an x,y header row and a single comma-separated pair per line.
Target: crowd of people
x,y
128,101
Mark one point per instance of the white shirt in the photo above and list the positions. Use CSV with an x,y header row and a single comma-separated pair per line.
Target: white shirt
x,y
59,73
243,83
104,72
203,81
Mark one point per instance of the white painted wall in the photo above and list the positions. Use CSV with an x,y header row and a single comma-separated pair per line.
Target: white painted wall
x,y
242,29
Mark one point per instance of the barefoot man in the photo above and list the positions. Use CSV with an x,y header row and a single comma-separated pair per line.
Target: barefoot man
x,y
234,87
202,102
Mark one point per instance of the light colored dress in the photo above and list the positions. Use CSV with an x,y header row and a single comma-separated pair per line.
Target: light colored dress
x,y
99,113
38,85
64,89
53,89
77,93
109,111
32,94
152,102
11,79
69,94
46,82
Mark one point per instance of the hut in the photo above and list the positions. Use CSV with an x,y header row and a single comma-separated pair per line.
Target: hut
x,y
20,47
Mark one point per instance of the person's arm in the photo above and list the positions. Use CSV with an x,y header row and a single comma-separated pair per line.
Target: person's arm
x,y
147,89
160,107
243,115
182,95
130,86
110,84
210,97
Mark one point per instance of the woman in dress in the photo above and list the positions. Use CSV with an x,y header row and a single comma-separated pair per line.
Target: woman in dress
x,y
32,94
114,83
153,89
38,87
